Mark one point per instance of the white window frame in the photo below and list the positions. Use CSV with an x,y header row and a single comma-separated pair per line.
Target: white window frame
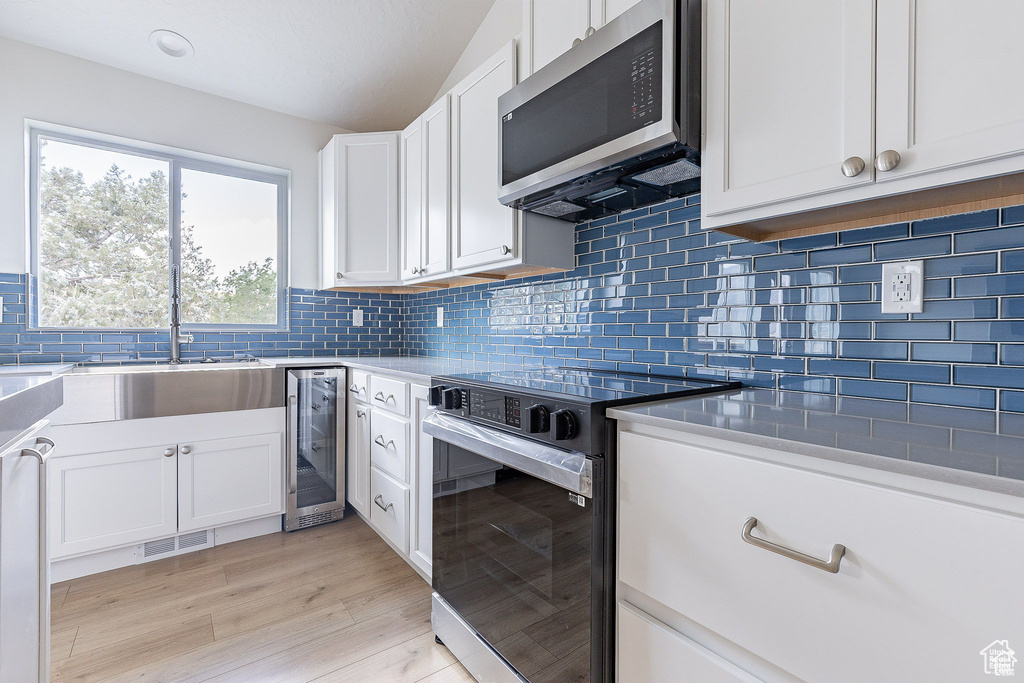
x,y
177,159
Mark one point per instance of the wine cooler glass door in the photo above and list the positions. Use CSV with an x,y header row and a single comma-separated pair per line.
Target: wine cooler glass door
x,y
316,462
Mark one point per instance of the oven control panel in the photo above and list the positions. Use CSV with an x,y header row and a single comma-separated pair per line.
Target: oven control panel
x,y
557,422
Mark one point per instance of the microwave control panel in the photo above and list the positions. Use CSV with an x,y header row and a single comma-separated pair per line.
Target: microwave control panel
x,y
646,84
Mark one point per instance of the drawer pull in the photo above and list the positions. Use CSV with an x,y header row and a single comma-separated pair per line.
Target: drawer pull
x,y
354,389
831,565
379,440
380,397
379,500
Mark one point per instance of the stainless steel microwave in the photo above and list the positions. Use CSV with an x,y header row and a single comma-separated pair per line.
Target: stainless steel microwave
x,y
612,124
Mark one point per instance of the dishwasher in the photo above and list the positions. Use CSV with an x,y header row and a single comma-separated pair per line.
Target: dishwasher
x,y
316,447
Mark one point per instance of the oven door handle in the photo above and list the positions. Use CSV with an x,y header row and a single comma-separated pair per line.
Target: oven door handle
x,y
566,469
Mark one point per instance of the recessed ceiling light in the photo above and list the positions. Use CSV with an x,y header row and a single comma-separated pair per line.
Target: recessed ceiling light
x,y
171,44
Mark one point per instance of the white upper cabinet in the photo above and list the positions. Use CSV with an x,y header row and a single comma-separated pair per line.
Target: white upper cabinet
x,y
411,194
359,210
484,231
437,230
425,197
946,93
789,99
551,27
829,104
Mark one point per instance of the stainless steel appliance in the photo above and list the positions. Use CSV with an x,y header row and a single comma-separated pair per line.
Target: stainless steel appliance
x,y
524,471
316,447
612,124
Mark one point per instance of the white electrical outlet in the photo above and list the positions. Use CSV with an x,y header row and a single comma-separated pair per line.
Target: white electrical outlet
x,y
440,316
357,317
903,287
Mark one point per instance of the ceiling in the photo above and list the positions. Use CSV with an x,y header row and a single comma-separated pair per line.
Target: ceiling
x,y
359,64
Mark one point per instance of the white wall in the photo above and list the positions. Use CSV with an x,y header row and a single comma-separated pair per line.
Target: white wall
x,y
504,21
56,88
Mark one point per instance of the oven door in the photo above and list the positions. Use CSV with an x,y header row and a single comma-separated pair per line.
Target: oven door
x,y
518,548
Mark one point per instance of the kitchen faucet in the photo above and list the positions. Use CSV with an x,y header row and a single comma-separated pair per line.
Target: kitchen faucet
x,y
177,338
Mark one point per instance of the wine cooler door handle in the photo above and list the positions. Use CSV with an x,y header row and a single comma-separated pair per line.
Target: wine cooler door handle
x,y
292,436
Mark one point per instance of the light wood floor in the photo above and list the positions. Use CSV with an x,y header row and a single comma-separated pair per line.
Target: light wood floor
x,y
330,603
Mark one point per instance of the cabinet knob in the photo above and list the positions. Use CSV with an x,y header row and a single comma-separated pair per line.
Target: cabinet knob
x,y
577,42
339,275
590,31
887,160
505,250
168,452
853,167
360,413
185,450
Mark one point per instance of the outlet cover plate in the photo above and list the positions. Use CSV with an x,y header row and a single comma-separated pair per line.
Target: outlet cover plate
x,y
357,317
903,287
440,316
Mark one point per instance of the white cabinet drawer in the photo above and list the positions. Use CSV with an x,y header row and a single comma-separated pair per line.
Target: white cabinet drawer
x,y
359,385
390,394
389,509
648,650
389,444
920,574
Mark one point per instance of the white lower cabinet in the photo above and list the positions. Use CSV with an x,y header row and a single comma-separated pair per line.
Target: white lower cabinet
x,y
389,511
421,485
653,652
112,498
229,480
925,569
391,460
168,475
357,457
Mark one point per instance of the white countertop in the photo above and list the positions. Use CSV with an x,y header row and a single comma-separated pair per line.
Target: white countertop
x,y
976,448
26,399
419,368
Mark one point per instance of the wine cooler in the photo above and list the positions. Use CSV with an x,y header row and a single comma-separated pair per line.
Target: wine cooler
x,y
316,447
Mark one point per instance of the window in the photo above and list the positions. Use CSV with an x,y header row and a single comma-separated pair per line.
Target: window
x,y
110,220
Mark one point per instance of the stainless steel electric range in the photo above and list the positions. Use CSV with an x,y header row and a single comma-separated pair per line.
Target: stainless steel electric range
x,y
523,537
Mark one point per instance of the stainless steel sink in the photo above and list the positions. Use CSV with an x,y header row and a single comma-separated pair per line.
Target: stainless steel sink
x,y
100,393
166,367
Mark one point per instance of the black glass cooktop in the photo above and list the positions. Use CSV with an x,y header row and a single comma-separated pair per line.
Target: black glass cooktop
x,y
606,387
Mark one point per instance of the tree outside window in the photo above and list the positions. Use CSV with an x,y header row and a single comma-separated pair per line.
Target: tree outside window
x,y
107,230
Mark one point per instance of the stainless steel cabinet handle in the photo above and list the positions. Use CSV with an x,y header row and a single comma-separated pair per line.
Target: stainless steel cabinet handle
x,y
505,250
887,160
853,167
185,450
384,399
831,565
379,440
379,500
42,451
168,452
354,389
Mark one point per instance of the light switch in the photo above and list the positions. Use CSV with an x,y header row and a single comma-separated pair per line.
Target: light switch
x,y
357,317
440,316
903,287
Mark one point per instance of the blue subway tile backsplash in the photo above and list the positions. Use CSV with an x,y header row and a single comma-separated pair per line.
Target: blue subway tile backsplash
x,y
652,291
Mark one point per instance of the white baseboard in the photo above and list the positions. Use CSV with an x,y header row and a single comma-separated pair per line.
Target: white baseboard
x,y
105,560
